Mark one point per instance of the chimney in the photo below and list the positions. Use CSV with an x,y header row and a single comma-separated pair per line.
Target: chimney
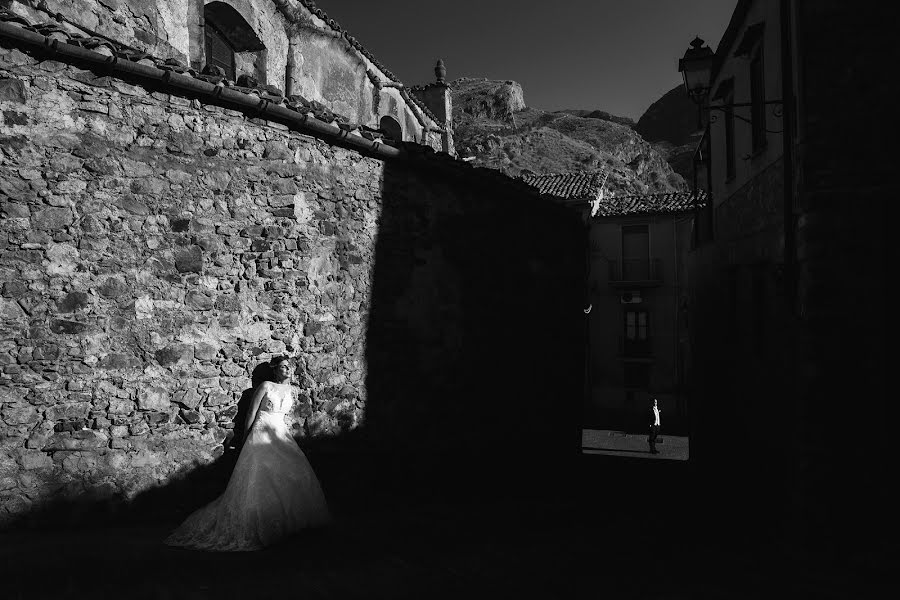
x,y
439,101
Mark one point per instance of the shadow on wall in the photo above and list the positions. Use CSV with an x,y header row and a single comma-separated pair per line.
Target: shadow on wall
x,y
474,348
475,344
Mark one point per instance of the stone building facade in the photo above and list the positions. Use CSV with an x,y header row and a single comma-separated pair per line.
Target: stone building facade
x,y
161,240
290,47
791,273
738,305
639,291
637,294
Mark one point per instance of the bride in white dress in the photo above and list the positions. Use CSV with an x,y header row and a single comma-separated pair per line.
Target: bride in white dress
x,y
272,492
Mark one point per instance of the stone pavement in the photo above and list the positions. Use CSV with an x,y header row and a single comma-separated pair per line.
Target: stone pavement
x,y
436,551
619,443
605,538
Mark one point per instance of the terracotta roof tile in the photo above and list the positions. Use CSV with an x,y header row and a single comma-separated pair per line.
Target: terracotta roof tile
x,y
586,186
53,30
651,204
571,186
106,47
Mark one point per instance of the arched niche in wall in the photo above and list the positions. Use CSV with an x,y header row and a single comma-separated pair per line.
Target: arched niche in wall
x,y
231,43
391,128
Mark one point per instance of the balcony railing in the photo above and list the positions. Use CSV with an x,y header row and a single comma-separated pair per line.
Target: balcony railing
x,y
635,272
633,348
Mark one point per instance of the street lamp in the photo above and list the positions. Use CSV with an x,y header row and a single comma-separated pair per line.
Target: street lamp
x,y
696,67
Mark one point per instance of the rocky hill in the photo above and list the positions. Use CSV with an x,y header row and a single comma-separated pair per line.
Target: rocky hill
x,y
670,124
598,114
493,125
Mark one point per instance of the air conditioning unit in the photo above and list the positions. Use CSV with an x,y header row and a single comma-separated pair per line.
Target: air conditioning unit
x,y
630,298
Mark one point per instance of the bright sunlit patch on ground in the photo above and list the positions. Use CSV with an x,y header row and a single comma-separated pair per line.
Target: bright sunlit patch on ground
x,y
619,443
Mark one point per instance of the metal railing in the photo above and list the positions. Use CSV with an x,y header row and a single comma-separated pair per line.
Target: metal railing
x,y
631,270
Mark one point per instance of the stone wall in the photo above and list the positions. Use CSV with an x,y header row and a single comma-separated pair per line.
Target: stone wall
x,y
797,361
753,208
156,251
741,350
846,254
160,28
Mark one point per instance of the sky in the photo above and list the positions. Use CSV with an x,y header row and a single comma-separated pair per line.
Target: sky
x,y
617,56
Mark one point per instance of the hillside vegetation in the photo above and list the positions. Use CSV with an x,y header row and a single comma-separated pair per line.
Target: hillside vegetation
x,y
493,124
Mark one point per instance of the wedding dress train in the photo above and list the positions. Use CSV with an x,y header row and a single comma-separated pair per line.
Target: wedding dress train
x,y
272,493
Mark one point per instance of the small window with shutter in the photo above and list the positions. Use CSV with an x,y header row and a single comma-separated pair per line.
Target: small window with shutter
x,y
218,51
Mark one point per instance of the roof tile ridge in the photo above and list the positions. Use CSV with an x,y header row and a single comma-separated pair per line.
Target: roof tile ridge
x,y
119,54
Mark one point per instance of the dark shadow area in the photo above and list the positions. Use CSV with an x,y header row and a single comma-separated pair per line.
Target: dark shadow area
x,y
476,332
262,372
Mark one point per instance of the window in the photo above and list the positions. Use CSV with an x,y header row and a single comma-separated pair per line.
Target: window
x,y
757,101
391,128
231,43
219,51
635,253
637,334
636,325
729,138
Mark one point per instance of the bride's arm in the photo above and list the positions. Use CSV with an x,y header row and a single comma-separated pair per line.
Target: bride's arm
x,y
254,405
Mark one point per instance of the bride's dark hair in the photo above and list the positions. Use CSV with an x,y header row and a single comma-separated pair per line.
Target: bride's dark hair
x,y
277,360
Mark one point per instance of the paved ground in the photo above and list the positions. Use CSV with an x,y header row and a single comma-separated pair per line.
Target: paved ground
x,y
619,443
436,552
621,533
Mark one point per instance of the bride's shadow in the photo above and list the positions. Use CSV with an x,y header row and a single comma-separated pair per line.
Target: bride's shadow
x,y
261,373
206,483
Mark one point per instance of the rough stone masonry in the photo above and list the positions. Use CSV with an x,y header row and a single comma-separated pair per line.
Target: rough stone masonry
x,y
154,251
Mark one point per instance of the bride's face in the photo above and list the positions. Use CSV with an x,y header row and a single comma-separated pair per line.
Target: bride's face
x,y
284,371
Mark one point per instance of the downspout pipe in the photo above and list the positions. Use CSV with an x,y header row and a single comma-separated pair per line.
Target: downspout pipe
x,y
259,107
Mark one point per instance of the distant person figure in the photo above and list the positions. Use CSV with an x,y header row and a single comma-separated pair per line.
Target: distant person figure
x,y
272,492
654,427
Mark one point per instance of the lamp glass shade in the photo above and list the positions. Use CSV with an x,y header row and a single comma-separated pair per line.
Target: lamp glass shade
x,y
696,67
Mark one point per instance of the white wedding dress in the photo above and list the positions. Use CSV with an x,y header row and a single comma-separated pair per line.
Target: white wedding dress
x,y
272,492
